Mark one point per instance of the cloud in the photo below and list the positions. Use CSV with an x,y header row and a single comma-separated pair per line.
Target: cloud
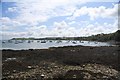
x,y
60,25
93,29
72,22
5,28
12,9
43,30
96,12
5,19
63,29
37,31
9,35
8,21
10,24
59,29
34,12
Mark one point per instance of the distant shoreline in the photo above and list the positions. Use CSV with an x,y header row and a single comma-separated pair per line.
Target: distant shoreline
x,y
98,37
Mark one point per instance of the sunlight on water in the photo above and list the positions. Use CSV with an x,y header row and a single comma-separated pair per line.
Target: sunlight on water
x,y
40,44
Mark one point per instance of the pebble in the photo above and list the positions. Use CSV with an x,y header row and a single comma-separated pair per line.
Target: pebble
x,y
29,67
54,70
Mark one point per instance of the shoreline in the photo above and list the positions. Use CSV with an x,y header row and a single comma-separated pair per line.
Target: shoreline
x,y
58,47
76,59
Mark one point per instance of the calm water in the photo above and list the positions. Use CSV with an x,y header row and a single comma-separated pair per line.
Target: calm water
x,y
38,44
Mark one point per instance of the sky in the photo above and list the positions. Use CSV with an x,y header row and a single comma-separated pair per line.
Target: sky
x,y
57,18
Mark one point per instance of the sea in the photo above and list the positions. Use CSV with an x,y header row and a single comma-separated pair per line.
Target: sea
x,y
45,44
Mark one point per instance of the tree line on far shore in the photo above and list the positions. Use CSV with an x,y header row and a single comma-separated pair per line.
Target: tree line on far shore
x,y
99,37
104,37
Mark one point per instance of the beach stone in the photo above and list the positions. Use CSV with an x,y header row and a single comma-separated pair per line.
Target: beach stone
x,y
42,75
29,67
14,71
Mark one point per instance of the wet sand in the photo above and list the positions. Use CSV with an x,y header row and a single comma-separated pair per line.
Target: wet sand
x,y
63,63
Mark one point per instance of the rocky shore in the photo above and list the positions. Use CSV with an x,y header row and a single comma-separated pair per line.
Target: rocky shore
x,y
62,63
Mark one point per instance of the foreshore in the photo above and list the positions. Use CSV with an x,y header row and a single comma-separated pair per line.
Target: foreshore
x,y
62,63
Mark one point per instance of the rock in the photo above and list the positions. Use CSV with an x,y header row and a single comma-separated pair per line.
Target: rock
x,y
74,76
55,66
42,75
14,71
29,67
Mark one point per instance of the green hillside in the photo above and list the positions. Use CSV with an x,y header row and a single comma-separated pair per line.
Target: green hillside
x,y
105,37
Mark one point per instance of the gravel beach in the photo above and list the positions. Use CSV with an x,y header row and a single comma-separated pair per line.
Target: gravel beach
x,y
62,63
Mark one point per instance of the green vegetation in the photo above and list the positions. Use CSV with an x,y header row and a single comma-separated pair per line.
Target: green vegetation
x,y
22,39
99,37
104,37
